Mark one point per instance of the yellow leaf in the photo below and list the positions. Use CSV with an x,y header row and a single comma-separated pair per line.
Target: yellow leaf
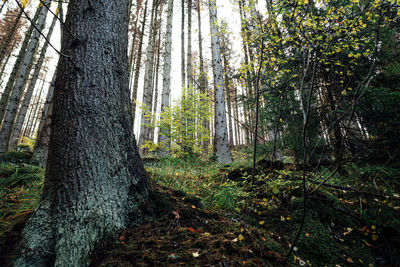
x,y
240,237
261,222
375,237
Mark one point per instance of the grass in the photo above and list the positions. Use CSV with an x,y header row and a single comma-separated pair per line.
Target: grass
x,y
198,209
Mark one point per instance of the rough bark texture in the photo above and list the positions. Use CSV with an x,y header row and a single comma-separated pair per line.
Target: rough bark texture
x,y
166,76
7,91
29,92
221,145
95,182
23,73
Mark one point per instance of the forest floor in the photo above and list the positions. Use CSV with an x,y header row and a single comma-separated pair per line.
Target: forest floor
x,y
204,214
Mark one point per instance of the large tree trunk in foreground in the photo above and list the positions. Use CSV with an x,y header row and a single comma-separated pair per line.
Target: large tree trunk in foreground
x,y
95,182
221,145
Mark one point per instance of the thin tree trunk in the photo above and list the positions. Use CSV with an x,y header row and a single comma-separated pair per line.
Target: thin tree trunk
x,y
189,46
5,64
153,137
2,6
5,97
32,124
10,35
164,151
221,145
95,182
202,78
132,50
41,149
228,99
16,95
29,91
138,63
183,74
148,88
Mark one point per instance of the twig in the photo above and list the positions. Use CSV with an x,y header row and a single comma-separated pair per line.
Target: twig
x,y
45,38
339,187
59,19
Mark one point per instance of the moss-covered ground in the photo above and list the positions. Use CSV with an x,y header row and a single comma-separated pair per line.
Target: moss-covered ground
x,y
204,214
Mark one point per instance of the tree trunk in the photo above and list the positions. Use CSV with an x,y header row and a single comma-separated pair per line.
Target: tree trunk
x,y
228,98
221,145
202,74
156,72
138,63
5,97
2,6
189,46
41,149
166,78
5,65
147,87
95,182
183,73
23,73
33,118
8,39
28,95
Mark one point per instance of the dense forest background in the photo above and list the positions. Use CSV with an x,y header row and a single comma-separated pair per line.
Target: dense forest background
x,y
268,132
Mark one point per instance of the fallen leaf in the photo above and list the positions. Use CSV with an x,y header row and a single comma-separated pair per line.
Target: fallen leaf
x,y
350,260
240,237
195,254
191,229
261,222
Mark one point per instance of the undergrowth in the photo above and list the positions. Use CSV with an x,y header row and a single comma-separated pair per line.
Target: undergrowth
x,y
213,214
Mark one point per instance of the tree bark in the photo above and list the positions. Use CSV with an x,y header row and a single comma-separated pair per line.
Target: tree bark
x,y
28,95
138,63
202,74
95,182
166,78
23,73
5,97
221,145
9,37
189,46
41,149
147,87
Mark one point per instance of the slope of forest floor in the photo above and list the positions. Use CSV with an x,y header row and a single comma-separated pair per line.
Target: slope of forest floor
x,y
204,214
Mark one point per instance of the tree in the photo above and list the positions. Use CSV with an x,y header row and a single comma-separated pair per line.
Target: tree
x,y
148,80
20,81
29,92
5,97
221,145
95,182
138,62
165,98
